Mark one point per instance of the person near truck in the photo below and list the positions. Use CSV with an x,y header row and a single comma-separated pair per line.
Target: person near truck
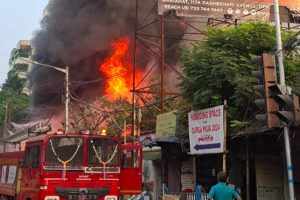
x,y
221,191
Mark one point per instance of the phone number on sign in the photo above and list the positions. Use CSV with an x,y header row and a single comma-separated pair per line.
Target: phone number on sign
x,y
200,8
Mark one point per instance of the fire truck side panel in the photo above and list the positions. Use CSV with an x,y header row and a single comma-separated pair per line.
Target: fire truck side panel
x,y
31,172
9,172
131,175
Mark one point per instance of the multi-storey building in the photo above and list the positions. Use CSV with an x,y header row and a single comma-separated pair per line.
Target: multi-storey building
x,y
18,61
45,17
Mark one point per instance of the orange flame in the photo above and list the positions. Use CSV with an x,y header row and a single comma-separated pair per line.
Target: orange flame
x,y
117,70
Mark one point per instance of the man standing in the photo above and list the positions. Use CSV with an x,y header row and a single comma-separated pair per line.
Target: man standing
x,y
221,191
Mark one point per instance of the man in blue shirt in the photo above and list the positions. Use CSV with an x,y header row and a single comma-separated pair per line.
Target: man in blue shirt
x,y
222,191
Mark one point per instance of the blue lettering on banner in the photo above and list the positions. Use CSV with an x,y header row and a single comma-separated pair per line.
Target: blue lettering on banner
x,y
207,146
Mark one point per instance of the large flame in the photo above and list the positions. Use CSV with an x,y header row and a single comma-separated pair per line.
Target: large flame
x,y
117,70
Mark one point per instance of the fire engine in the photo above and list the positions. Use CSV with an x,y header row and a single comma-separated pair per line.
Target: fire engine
x,y
71,166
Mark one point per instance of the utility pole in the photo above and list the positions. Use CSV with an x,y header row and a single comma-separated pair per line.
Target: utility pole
x,y
6,120
67,84
6,124
67,101
282,82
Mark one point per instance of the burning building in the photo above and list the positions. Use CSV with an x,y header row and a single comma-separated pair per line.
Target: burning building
x,y
96,40
77,34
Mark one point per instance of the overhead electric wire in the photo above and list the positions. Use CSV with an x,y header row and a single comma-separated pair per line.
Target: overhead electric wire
x,y
56,81
53,83
116,75
49,118
105,112
87,104
109,113
79,83
121,110
53,110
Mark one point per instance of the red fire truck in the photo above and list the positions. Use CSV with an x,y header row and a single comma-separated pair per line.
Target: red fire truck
x,y
71,166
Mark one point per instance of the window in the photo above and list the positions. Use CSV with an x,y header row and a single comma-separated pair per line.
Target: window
x,y
64,149
32,156
130,158
21,67
102,151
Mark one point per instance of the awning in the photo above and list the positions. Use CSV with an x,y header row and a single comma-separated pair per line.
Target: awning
x,y
153,153
171,138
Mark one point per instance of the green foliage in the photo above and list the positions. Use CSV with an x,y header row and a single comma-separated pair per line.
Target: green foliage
x,y
292,63
101,113
253,38
220,68
121,113
12,101
13,82
15,103
113,114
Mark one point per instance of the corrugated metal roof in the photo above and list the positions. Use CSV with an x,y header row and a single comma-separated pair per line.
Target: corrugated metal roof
x,y
172,139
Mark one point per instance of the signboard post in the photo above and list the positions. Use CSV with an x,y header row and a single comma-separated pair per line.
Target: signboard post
x,y
225,137
206,130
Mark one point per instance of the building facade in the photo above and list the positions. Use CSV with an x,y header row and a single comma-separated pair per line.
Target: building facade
x,y
19,61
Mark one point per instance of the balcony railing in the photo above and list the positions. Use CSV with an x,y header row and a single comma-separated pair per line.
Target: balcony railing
x,y
197,195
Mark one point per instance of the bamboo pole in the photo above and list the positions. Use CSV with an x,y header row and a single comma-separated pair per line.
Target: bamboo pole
x,y
194,173
247,170
224,167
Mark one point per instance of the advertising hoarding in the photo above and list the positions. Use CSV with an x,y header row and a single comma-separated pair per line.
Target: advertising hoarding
x,y
166,124
251,10
268,177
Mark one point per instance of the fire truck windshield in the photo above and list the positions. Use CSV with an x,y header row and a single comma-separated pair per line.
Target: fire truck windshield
x,y
102,152
64,151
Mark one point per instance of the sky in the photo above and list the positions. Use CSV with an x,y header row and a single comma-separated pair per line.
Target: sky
x,y
19,19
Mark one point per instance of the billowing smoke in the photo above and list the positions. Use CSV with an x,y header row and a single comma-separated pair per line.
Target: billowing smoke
x,y
77,34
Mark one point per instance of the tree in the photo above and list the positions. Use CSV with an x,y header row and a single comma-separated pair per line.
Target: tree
x,y
13,82
113,114
13,102
101,113
220,68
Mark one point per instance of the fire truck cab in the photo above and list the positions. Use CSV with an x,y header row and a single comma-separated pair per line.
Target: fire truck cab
x,y
71,166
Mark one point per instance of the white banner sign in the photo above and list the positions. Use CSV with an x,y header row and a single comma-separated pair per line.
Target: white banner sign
x,y
3,174
11,174
206,131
